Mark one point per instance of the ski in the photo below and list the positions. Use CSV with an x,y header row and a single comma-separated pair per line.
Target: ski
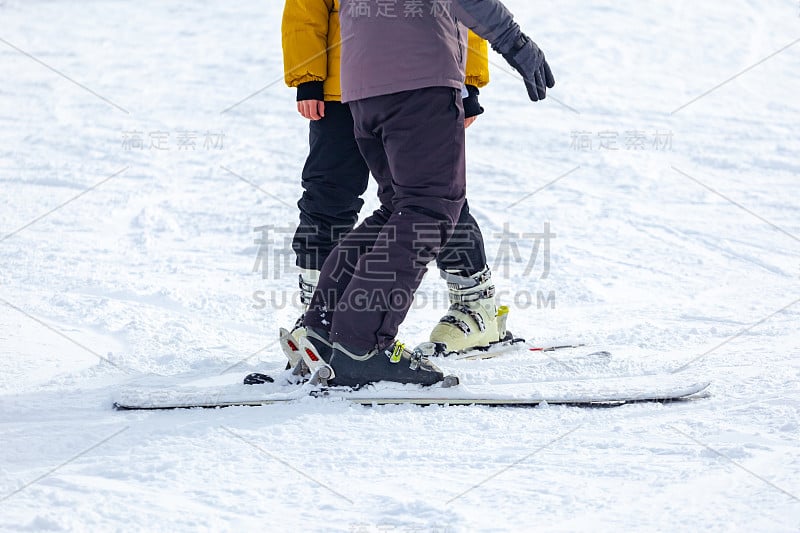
x,y
509,344
504,348
604,391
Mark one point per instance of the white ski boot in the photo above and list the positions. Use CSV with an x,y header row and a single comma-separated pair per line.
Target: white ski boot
x,y
473,320
290,340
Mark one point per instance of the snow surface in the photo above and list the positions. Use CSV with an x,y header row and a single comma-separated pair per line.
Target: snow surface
x,y
674,253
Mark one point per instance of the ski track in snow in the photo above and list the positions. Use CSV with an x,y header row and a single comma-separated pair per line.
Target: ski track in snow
x,y
152,272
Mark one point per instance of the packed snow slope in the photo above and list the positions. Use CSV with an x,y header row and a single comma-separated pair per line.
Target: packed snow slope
x,y
141,145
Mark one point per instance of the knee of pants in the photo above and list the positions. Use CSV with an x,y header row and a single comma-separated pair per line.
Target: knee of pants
x,y
335,208
439,209
337,180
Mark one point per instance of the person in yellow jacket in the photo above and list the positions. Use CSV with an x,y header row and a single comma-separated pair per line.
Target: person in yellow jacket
x,y
335,176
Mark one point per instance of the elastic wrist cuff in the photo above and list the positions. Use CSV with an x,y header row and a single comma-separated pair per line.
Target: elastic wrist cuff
x,y
310,90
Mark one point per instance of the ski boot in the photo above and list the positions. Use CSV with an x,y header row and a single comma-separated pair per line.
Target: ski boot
x,y
316,353
290,340
394,363
473,320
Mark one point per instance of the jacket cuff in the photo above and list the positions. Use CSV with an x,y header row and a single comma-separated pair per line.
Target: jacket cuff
x,y
472,107
310,90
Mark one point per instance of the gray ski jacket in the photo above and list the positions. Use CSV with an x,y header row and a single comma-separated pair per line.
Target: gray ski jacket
x,y
394,46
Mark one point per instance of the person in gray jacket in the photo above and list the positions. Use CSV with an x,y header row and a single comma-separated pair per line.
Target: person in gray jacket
x,y
402,73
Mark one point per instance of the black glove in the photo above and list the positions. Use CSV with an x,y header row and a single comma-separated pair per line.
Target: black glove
x,y
529,61
472,108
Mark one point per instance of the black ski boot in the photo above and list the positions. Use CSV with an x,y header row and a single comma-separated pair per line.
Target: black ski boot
x,y
393,363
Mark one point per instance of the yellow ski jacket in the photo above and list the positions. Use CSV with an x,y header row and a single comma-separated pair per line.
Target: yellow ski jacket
x,y
312,47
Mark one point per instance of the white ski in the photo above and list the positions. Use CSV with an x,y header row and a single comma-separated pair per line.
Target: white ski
x,y
582,392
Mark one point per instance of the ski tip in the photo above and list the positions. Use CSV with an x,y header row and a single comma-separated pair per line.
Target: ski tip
x,y
556,347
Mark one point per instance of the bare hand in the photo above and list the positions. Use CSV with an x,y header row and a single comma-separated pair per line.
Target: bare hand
x,y
311,109
469,120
